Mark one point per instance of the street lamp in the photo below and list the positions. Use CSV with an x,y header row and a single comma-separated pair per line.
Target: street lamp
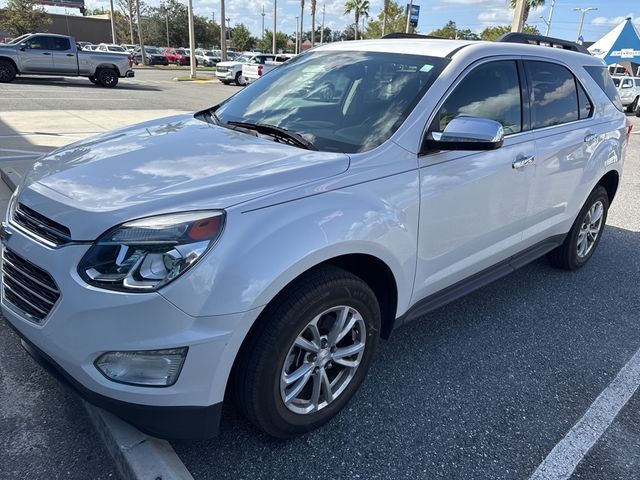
x,y
583,12
297,30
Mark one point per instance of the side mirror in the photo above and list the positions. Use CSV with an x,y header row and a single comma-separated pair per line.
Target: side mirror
x,y
467,133
627,85
23,47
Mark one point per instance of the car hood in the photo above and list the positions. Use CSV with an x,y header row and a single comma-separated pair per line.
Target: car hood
x,y
174,164
228,64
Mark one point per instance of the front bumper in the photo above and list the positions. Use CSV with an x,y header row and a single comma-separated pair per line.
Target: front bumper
x,y
87,322
226,76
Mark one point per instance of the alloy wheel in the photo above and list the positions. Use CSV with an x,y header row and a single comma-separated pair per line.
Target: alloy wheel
x,y
590,229
323,360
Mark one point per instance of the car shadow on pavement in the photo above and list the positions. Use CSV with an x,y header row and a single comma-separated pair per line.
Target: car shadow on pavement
x,y
81,83
481,388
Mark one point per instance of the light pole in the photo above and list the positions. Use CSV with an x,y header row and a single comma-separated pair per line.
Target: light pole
x,y
297,33
192,42
263,14
113,23
273,41
143,54
301,23
166,18
223,33
406,30
322,27
548,22
583,12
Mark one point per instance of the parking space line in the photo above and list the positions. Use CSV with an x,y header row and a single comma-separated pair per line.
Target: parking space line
x,y
13,150
567,454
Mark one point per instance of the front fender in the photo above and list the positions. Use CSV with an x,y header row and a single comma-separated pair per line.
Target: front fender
x,y
262,251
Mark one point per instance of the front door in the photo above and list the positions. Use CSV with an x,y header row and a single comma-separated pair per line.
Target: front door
x,y
474,205
37,56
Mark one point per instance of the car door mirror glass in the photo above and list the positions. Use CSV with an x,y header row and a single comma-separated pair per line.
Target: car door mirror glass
x,y
467,133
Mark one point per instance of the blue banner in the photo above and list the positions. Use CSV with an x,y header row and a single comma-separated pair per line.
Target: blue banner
x,y
415,13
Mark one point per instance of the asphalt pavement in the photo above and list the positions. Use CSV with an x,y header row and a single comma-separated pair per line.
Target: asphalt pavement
x,y
483,388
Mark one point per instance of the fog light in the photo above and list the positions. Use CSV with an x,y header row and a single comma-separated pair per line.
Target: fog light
x,y
149,368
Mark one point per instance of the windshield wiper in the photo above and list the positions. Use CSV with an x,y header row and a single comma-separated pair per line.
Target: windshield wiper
x,y
277,132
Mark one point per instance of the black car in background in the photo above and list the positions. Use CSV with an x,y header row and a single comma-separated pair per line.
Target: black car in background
x,y
154,56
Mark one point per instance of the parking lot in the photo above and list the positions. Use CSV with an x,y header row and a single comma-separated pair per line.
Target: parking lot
x,y
485,387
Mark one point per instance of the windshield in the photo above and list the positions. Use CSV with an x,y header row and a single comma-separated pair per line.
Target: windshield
x,y
339,101
18,39
243,59
152,50
116,49
181,52
209,53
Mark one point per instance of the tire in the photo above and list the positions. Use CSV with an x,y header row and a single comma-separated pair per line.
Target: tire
x,y
93,79
574,252
269,354
8,71
634,106
107,77
239,79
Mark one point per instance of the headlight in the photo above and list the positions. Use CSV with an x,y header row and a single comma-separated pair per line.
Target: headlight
x,y
146,254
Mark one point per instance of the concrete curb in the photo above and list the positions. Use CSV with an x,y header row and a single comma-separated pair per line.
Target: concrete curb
x,y
137,456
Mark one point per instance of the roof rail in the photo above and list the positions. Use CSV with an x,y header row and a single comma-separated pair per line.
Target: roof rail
x,y
530,39
408,35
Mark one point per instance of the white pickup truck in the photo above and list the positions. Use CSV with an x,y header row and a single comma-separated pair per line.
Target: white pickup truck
x,y
629,90
253,70
49,54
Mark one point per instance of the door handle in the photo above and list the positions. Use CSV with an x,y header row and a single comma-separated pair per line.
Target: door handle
x,y
69,54
590,138
46,53
523,162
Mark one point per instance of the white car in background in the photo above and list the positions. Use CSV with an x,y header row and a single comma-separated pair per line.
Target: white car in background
x,y
111,48
629,89
231,71
208,58
253,70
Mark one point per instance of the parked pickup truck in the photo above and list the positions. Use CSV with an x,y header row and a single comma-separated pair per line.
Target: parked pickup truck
x,y
629,90
48,54
253,70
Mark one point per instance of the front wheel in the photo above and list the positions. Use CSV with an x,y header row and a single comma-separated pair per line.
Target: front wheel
x,y
309,353
7,71
585,234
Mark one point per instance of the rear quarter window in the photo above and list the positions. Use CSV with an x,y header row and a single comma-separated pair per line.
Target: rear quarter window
x,y
601,76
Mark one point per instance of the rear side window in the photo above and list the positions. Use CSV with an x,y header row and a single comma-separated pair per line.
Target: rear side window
x,y
60,44
491,90
601,76
584,103
554,96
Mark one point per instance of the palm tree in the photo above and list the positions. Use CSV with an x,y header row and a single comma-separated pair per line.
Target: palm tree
x,y
313,23
528,5
359,8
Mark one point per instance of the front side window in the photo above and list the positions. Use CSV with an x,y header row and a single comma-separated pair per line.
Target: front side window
x,y
491,90
554,96
340,101
39,42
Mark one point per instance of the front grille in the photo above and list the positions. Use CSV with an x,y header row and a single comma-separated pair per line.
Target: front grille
x,y
27,287
41,226
222,69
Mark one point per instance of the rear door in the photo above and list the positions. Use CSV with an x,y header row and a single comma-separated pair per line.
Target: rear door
x,y
64,56
560,118
37,57
473,205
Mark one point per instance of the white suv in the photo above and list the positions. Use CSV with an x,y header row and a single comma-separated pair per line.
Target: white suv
x,y
263,246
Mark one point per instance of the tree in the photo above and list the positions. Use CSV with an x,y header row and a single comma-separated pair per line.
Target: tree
x,y
528,5
359,8
493,33
266,43
396,21
24,16
450,30
241,38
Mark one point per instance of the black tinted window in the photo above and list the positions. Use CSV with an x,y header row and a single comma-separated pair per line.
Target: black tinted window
x,y
39,42
491,91
604,81
59,43
584,103
554,98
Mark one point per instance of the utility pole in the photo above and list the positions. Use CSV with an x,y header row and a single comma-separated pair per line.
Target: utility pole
x,y
273,40
301,23
263,14
313,23
406,30
192,41
143,54
322,28
166,18
583,12
130,5
518,17
548,22
113,23
385,8
223,33
297,34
